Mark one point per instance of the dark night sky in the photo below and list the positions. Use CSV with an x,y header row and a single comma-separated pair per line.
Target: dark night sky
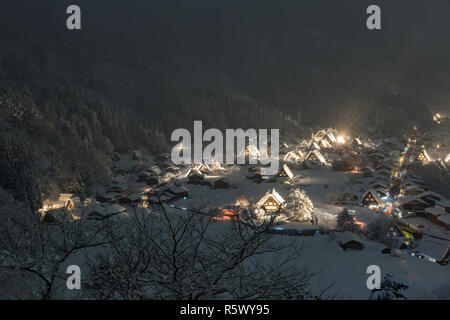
x,y
258,46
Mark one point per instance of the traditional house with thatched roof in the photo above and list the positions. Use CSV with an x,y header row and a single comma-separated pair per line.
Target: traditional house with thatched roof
x,y
285,172
330,138
316,156
371,199
291,156
412,204
251,151
272,201
68,200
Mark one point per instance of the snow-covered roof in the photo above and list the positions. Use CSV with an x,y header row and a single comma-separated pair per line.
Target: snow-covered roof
x,y
443,203
374,194
325,143
252,151
275,196
318,155
384,165
347,236
434,247
435,211
445,218
314,146
413,187
331,137
291,155
408,199
431,194
287,170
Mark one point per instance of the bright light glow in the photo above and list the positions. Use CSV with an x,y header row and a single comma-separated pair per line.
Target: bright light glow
x,y
340,139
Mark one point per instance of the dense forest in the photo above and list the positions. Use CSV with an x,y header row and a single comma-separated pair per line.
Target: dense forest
x,y
70,99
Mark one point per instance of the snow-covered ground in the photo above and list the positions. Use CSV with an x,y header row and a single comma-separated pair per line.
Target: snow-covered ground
x,y
346,269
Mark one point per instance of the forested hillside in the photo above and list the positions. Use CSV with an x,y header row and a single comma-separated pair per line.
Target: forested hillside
x,y
68,101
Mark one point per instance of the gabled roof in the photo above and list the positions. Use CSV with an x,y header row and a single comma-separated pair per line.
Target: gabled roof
x,y
434,247
314,146
284,146
203,167
444,203
320,135
374,194
435,211
287,170
252,151
275,196
331,137
299,154
385,166
324,143
431,194
408,199
304,144
445,218
416,188
193,171
317,154
291,155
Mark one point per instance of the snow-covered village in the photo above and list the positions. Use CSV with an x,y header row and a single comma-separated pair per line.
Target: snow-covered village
x,y
358,208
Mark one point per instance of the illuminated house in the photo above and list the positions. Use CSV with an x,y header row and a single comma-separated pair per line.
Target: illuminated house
x,y
371,199
316,156
250,151
284,148
271,202
68,200
285,172
422,155
291,156
304,144
447,158
203,168
314,146
330,138
356,142
300,154
319,135
324,143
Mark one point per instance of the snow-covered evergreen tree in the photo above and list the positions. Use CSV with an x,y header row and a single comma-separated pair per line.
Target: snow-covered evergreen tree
x,y
345,221
299,207
390,290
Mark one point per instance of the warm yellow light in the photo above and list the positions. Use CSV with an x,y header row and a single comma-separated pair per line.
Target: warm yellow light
x,y
340,139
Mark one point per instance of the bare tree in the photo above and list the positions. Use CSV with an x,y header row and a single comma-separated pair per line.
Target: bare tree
x,y
161,254
38,250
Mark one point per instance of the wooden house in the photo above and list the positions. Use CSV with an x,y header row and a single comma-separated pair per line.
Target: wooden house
x,y
291,156
285,172
251,151
371,199
316,156
412,204
272,201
